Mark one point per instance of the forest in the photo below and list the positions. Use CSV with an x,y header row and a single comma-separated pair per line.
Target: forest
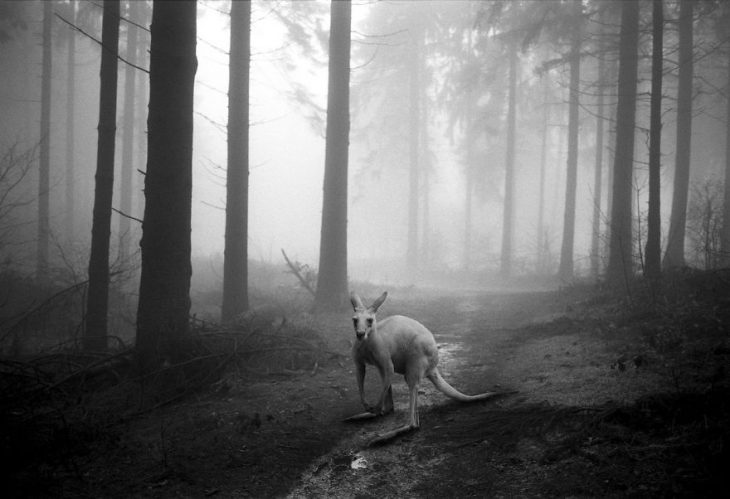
x,y
195,194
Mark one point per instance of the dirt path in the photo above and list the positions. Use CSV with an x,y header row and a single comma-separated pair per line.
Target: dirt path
x,y
524,342
285,436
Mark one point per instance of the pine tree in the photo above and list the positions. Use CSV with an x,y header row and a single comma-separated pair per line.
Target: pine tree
x,y
332,278
620,264
95,332
235,263
164,292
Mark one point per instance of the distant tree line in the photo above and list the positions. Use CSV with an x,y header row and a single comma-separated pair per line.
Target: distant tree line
x,y
478,67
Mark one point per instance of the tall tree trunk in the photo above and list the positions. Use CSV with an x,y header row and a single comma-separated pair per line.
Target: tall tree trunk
x,y
413,150
71,127
674,256
565,271
142,101
128,132
45,149
95,332
610,159
540,257
235,261
725,233
620,265
425,168
509,167
470,125
332,278
164,292
468,202
652,254
598,163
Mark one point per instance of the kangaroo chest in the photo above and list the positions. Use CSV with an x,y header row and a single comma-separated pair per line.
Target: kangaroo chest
x,y
377,352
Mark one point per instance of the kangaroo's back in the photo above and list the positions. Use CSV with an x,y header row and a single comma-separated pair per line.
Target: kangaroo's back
x,y
408,341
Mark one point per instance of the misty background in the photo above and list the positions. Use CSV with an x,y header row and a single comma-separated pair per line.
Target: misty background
x,y
463,87
190,191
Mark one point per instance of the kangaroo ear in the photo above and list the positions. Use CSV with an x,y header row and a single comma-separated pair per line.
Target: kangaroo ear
x,y
376,304
356,301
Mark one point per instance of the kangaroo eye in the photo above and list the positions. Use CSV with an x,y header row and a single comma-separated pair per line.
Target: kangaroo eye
x,y
354,321
370,321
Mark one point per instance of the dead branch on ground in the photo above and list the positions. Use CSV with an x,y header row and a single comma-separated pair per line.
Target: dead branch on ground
x,y
296,269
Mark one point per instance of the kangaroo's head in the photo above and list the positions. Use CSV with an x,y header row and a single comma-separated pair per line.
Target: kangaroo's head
x,y
363,319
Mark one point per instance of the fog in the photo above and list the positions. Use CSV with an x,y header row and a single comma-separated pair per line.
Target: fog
x,y
522,202
463,135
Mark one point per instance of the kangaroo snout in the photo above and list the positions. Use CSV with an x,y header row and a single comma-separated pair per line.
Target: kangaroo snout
x,y
360,334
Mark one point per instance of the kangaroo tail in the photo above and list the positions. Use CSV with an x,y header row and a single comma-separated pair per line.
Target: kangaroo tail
x,y
440,383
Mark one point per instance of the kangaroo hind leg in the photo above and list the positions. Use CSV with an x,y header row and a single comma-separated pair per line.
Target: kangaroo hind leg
x,y
413,378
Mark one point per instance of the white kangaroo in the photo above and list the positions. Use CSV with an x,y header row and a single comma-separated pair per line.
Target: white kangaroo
x,y
402,345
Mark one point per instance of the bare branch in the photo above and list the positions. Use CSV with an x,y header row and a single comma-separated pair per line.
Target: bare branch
x,y
72,25
296,272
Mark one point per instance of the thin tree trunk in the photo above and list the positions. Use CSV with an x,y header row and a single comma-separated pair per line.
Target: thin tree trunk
x,y
128,133
235,262
540,257
468,201
95,333
470,161
652,267
725,233
598,163
70,127
566,252
332,278
164,292
45,149
142,101
611,153
557,177
509,167
620,264
674,256
413,171
425,233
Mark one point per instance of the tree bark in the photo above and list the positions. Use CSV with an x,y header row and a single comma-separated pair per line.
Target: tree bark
x,y
70,127
565,271
509,167
44,149
142,102
95,332
127,168
468,196
725,234
674,256
425,184
332,278
540,260
610,160
164,293
652,253
598,163
620,264
235,260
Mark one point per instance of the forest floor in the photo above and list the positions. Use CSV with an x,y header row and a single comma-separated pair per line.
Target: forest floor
x,y
614,398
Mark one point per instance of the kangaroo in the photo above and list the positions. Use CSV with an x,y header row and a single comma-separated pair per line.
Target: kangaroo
x,y
402,345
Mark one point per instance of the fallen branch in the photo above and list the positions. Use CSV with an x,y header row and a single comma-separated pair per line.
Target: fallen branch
x,y
102,364
296,272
